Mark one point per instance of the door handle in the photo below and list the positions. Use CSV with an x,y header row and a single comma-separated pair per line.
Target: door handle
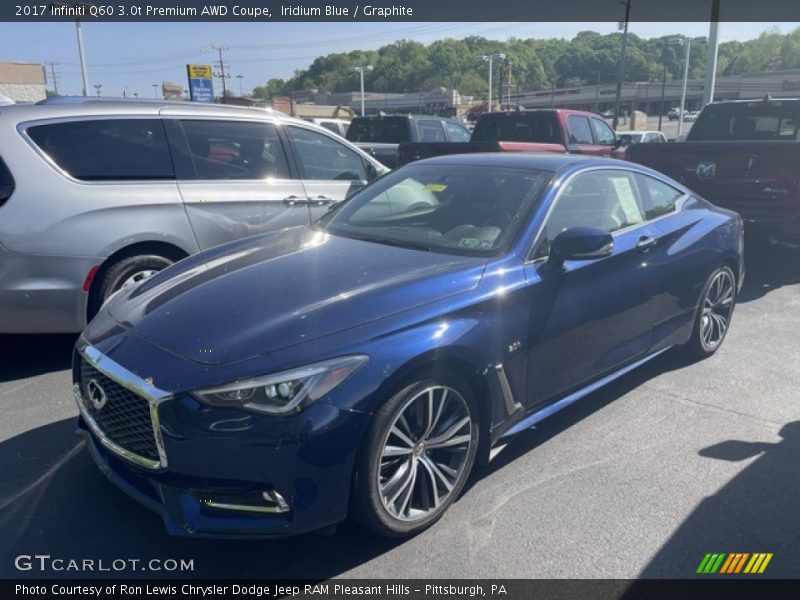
x,y
322,200
293,200
646,242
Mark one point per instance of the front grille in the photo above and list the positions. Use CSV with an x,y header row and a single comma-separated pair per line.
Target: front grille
x,y
125,417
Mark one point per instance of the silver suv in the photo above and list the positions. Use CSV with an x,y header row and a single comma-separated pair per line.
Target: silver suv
x,y
99,194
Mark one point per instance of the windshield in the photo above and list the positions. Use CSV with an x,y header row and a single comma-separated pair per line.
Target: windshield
x,y
517,127
385,130
445,208
774,121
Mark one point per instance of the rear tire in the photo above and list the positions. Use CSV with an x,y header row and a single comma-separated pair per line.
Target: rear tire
x,y
417,457
127,271
714,313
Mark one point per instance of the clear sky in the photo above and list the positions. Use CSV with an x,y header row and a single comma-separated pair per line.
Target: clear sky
x,y
134,56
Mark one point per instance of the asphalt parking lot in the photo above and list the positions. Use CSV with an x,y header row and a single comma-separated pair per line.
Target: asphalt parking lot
x,y
639,479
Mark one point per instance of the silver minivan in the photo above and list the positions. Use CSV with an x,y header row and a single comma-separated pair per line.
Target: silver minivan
x,y
99,194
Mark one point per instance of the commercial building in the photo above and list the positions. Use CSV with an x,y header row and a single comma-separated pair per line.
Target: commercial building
x,y
646,96
440,101
22,81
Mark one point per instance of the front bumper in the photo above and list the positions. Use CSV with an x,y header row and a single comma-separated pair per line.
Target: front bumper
x,y
218,462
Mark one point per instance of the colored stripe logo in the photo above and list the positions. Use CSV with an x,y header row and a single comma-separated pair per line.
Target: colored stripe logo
x,y
734,563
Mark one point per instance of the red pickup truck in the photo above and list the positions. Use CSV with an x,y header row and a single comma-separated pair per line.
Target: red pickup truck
x,y
544,130
743,155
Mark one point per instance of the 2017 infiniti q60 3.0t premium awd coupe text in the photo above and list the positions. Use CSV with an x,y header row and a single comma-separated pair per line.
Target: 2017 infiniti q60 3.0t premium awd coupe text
x,y
360,366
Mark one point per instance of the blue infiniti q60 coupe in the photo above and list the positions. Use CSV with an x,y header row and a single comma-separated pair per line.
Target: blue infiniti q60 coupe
x,y
360,366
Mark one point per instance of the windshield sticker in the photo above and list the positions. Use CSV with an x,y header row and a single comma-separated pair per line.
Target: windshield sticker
x,y
436,187
627,199
468,243
485,244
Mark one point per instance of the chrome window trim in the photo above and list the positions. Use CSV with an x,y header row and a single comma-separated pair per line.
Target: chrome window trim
x,y
132,382
570,176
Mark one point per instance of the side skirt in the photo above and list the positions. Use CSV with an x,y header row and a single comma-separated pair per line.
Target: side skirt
x,y
551,409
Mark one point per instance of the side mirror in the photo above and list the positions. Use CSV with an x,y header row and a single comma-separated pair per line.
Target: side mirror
x,y
617,142
581,243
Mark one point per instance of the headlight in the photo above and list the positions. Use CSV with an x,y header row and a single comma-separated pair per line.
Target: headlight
x,y
285,392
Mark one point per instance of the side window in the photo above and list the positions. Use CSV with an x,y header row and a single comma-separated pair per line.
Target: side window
x,y
603,133
658,198
235,150
607,200
107,149
579,130
322,157
456,132
430,131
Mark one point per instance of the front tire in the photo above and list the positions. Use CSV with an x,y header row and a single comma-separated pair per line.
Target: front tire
x,y
714,314
417,457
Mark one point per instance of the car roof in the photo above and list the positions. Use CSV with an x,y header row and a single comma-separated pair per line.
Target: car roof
x,y
93,106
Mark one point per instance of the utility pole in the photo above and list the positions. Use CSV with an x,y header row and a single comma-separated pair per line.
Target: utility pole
x,y
597,92
615,122
53,76
500,87
221,64
711,60
663,85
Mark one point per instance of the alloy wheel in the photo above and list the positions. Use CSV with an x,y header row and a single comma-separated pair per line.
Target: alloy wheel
x,y
717,309
424,453
137,277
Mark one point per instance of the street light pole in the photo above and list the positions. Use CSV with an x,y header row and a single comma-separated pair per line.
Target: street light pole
x,y
663,85
688,43
621,65
82,57
361,70
490,59
711,60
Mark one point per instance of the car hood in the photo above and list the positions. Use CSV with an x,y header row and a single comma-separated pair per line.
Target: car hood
x,y
290,287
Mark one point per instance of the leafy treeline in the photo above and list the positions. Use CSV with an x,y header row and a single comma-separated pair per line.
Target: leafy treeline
x,y
407,66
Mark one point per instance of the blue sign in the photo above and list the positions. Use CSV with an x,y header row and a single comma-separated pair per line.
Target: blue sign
x,y
201,90
201,84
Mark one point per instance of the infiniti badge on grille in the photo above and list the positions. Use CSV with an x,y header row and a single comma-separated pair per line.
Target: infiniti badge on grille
x,y
97,394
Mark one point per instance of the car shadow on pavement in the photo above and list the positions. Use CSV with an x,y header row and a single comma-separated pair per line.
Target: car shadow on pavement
x,y
755,512
768,268
55,501
24,356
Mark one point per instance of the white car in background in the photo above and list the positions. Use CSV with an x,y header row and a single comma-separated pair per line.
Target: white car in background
x,y
640,137
337,126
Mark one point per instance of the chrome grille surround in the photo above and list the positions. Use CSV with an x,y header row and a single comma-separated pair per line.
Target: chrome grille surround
x,y
134,399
